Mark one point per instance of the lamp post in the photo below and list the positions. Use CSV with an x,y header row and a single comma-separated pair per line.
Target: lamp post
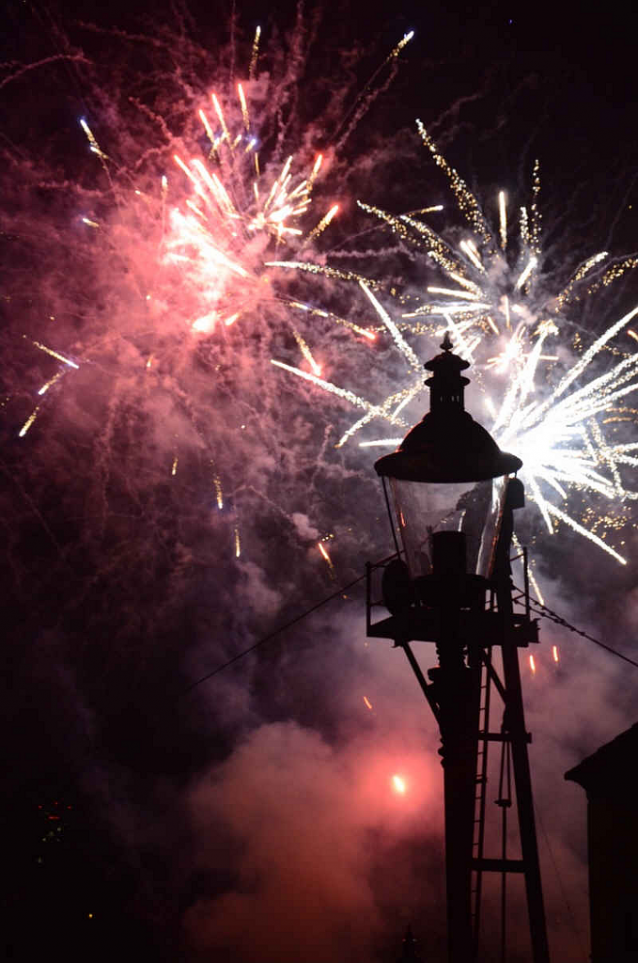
x,y
451,500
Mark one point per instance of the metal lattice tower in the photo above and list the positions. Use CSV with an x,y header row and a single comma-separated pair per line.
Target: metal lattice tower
x,y
469,626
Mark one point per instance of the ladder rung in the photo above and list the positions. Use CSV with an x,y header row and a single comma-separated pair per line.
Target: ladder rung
x,y
499,865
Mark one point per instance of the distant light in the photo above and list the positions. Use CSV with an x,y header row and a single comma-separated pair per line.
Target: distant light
x,y
532,664
398,784
555,653
367,702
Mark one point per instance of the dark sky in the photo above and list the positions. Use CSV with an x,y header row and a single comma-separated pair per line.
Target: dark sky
x,y
252,817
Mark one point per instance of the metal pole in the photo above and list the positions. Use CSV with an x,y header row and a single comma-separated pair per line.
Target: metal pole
x,y
457,692
515,723
454,697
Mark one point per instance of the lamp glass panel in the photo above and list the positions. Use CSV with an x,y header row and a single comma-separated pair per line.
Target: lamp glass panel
x,y
474,508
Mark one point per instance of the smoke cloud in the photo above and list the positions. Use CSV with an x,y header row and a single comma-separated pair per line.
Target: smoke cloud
x,y
166,507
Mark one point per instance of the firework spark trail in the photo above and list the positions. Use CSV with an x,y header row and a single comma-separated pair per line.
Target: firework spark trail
x,y
328,272
345,322
344,393
53,380
369,93
326,557
254,53
323,224
56,355
306,352
23,69
29,422
466,201
398,338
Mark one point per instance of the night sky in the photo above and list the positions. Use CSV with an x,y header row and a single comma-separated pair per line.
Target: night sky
x,y
164,511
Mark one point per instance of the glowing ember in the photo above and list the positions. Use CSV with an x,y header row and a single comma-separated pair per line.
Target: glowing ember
x,y
219,494
28,422
324,551
398,784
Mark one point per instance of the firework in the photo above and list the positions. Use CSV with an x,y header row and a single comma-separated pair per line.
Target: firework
x,y
560,405
218,236
239,208
156,302
220,239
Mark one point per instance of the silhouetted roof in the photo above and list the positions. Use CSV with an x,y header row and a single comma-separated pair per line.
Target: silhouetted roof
x,y
611,770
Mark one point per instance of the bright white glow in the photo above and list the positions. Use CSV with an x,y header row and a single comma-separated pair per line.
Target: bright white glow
x,y
529,267
502,213
399,785
561,420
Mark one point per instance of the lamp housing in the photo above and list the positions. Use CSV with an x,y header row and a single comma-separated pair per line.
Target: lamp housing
x,y
448,475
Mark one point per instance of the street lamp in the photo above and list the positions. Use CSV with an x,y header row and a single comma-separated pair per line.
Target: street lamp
x,y
448,475
451,499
